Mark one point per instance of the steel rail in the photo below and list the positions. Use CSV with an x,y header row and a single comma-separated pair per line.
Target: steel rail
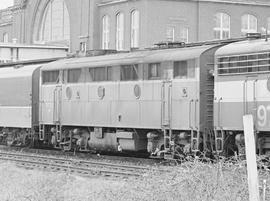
x,y
86,162
86,168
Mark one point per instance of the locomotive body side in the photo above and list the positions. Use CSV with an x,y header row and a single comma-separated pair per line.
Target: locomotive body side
x,y
241,87
124,101
16,112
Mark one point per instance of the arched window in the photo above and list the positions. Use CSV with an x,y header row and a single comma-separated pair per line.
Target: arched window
x,y
55,24
170,33
105,32
134,32
5,37
120,31
222,26
268,25
184,34
249,24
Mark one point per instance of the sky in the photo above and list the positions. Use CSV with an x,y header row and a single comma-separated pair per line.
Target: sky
x,y
5,3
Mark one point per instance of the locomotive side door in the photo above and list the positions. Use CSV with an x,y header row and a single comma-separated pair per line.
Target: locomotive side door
x,y
166,113
166,103
250,96
57,100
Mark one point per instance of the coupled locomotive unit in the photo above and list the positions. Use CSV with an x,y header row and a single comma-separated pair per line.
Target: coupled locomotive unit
x,y
144,100
242,86
161,101
19,100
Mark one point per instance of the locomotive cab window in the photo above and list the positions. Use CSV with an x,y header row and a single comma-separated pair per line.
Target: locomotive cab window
x,y
50,77
154,71
100,74
74,75
129,72
184,69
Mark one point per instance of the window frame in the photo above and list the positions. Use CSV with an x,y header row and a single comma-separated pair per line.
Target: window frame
x,y
184,34
170,33
190,69
105,32
158,70
249,18
48,17
5,37
78,79
220,19
135,68
246,64
120,26
106,73
57,81
268,25
134,28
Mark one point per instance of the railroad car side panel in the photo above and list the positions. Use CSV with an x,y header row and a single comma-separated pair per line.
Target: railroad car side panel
x,y
48,102
228,105
184,104
150,104
35,97
16,97
242,87
15,102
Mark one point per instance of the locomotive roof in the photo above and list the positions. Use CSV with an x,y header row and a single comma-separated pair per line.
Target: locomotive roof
x,y
146,56
22,71
244,47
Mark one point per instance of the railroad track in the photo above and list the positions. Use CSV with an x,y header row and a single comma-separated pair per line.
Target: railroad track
x,y
81,167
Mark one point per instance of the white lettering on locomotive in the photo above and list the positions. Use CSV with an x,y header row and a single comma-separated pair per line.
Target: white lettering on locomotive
x,y
263,115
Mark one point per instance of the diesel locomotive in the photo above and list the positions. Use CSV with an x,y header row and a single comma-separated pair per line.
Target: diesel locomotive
x,y
162,101
242,86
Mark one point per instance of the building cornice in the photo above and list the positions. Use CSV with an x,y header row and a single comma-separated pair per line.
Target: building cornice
x,y
20,6
240,2
5,24
112,2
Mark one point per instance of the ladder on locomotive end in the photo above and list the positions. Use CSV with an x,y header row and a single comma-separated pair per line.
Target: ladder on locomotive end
x,y
219,141
193,125
58,132
41,131
195,140
166,116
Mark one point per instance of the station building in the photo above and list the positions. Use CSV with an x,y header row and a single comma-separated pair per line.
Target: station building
x,y
130,24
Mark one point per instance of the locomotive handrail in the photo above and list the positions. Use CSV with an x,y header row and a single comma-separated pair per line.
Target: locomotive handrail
x,y
162,102
196,123
59,103
244,96
255,99
170,104
255,90
54,104
190,103
219,111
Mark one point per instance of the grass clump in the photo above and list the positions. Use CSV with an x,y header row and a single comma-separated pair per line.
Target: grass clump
x,y
196,181
191,181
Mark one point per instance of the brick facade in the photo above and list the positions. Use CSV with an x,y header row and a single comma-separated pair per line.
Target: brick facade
x,y
197,16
